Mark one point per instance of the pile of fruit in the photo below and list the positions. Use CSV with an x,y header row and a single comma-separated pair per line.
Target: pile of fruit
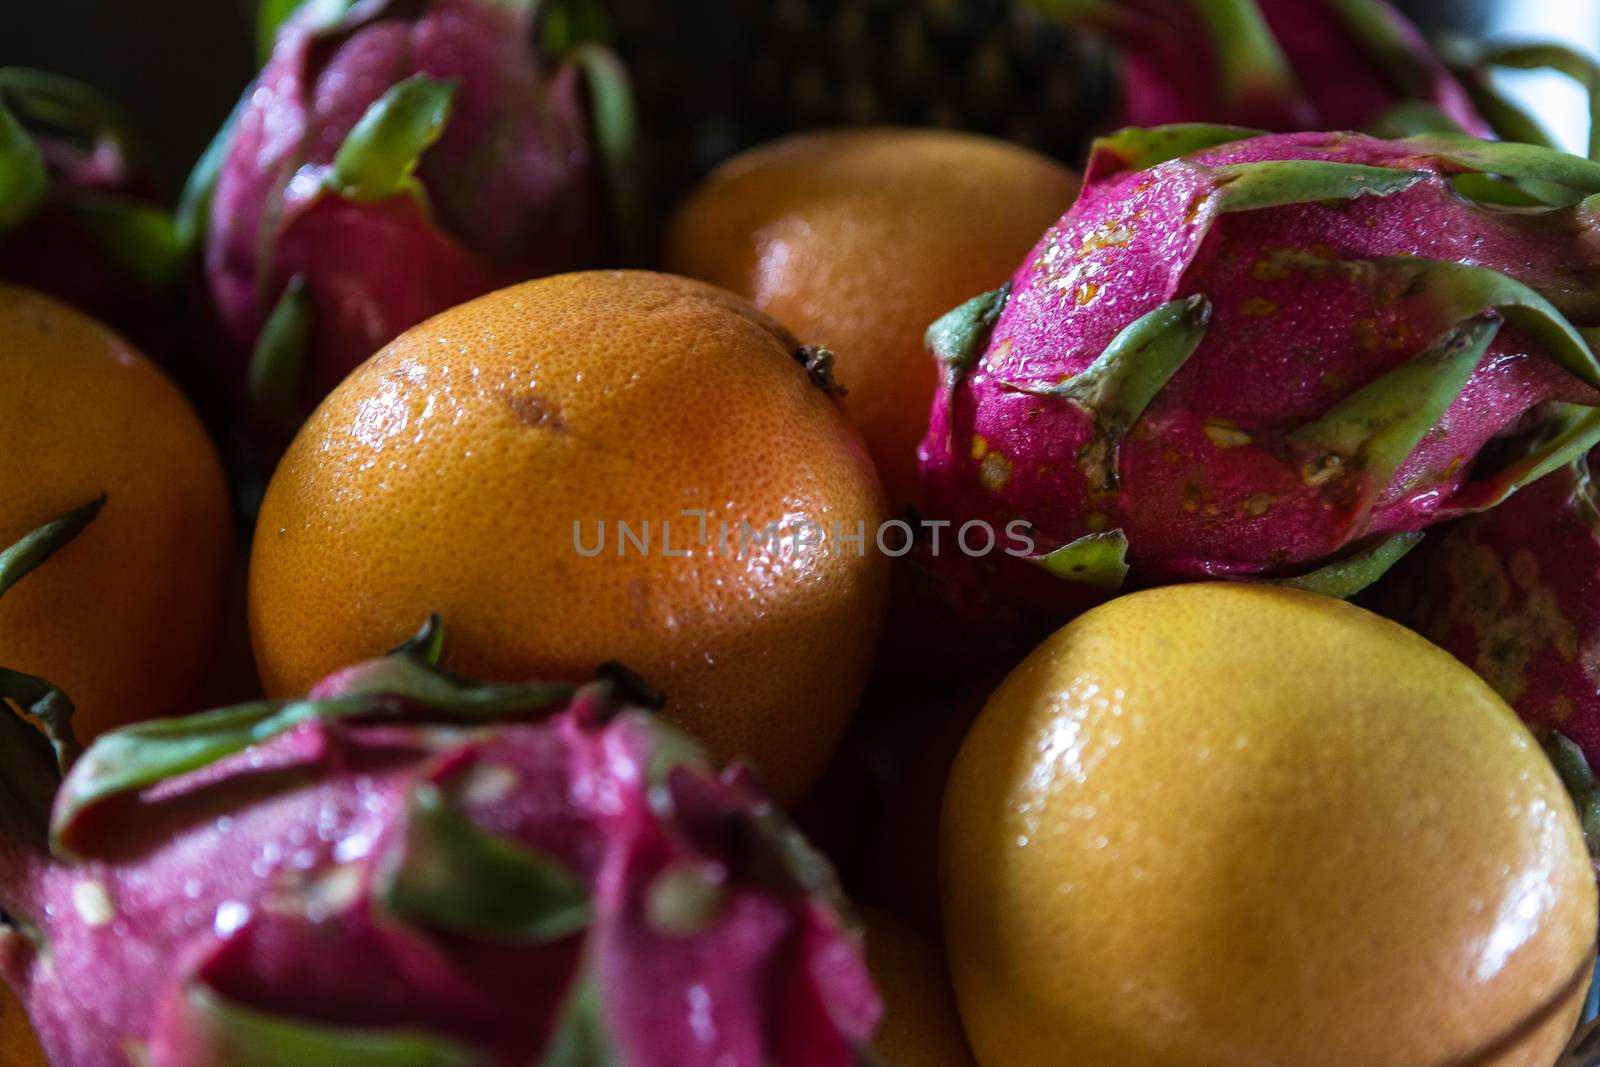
x,y
919,598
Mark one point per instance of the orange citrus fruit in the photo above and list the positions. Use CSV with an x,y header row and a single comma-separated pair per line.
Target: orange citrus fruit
x,y
1240,826
473,466
19,1045
123,618
859,240
920,1025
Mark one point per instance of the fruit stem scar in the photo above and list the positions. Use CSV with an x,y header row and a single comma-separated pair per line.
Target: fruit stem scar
x,y
818,362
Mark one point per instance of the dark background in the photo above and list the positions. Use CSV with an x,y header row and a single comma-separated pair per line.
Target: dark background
x,y
177,66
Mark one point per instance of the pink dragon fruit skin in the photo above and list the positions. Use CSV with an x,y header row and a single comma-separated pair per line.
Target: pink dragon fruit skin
x,y
1280,357
78,217
1275,64
1515,595
486,172
408,868
485,886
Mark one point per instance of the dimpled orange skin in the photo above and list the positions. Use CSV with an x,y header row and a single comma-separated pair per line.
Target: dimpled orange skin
x,y
859,240
446,474
19,1045
1236,826
123,618
920,1025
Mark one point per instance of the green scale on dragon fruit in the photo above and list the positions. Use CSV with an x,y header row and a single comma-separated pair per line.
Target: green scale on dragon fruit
x,y
395,158
1270,357
407,868
79,219
1294,65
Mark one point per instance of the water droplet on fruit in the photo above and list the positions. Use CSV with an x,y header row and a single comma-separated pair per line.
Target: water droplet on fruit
x,y
231,915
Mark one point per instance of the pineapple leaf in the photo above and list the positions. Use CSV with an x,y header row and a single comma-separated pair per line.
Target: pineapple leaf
x,y
1256,186
1137,148
1346,577
277,366
23,180
240,1036
958,338
449,875
380,156
1525,161
1100,560
1119,385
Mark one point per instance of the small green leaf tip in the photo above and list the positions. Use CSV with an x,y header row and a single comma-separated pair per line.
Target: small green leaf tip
x,y
818,363
1117,387
961,335
582,1038
22,558
449,875
48,705
1099,560
380,156
427,644
1347,577
240,1036
1574,64
1525,161
1140,148
614,124
140,238
23,179
194,205
278,364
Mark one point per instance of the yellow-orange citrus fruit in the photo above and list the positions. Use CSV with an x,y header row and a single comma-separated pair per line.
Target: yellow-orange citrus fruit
x,y
921,1027
859,240
19,1045
123,618
1235,826
467,469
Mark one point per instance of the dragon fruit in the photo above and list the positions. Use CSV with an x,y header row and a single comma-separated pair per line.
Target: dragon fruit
x,y
1515,595
77,217
395,158
1275,64
1277,357
409,868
